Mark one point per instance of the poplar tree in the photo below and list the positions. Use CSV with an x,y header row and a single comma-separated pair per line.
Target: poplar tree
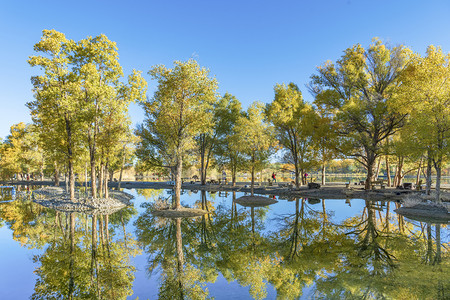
x,y
96,64
293,121
360,87
425,95
55,110
178,111
227,153
256,138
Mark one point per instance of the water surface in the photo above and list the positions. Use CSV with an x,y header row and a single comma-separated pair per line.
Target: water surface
x,y
294,249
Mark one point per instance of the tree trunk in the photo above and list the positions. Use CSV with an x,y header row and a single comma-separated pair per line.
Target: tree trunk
x,y
179,168
429,162
105,184
233,177
297,174
418,171
93,178
70,158
202,165
71,181
121,172
370,165
253,178
400,171
378,169
438,168
388,171
56,174
323,173
100,179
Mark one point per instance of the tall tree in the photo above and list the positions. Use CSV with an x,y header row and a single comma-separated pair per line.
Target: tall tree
x,y
256,138
358,89
96,64
178,111
293,121
227,153
55,108
425,94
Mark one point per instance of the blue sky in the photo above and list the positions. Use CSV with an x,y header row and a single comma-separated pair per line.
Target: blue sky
x,y
249,46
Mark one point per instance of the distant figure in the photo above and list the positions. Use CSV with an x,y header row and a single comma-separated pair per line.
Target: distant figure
x,y
306,177
274,177
224,177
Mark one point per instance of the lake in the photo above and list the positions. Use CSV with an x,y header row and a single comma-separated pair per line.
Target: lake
x,y
293,249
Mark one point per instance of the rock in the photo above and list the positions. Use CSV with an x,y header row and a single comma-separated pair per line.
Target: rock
x,y
313,185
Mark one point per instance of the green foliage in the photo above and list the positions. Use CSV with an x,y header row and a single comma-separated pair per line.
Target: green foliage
x,y
294,122
256,137
358,90
21,153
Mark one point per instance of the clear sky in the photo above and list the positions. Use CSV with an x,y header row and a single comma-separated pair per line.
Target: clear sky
x,y
249,46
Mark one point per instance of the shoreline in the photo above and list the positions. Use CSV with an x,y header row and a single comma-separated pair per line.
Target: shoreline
x,y
331,190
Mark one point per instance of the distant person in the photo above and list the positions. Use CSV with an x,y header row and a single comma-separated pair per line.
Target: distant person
x,y
224,177
274,179
306,176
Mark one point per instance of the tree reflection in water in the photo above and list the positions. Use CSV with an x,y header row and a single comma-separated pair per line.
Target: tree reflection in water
x,y
77,263
375,254
166,241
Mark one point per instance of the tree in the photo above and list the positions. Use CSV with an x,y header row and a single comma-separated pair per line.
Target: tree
x,y
425,95
256,138
293,121
96,64
358,90
178,111
227,151
55,109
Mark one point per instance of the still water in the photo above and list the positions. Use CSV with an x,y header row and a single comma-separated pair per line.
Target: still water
x,y
294,249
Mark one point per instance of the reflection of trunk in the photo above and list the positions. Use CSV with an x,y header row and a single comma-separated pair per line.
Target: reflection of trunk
x,y
123,228
94,260
72,258
180,256
401,221
429,256
233,209
102,235
387,216
295,231
253,219
204,201
324,218
369,247
438,258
